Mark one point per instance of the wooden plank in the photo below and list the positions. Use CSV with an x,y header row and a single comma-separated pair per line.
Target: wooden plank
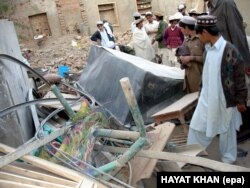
x,y
30,181
143,167
52,167
178,105
200,161
38,175
177,110
11,184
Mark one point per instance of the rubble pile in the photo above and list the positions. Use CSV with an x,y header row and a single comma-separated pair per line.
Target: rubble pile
x,y
70,50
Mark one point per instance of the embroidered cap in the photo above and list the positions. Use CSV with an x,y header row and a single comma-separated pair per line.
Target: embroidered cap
x,y
206,20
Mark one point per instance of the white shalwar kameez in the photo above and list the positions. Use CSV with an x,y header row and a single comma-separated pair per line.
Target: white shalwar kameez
x,y
211,116
105,40
142,44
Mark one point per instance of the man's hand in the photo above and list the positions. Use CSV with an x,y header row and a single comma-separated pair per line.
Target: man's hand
x,y
185,59
241,107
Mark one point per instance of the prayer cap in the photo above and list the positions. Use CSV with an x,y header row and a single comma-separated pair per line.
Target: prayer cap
x,y
159,14
139,20
206,21
137,14
99,23
148,14
188,20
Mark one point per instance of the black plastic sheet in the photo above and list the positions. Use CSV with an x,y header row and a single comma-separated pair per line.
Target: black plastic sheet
x,y
155,86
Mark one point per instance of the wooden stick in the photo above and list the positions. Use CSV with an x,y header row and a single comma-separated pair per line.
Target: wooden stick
x,y
208,163
117,134
129,94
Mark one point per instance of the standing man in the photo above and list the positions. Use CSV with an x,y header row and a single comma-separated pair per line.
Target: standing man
x,y
173,38
136,16
151,28
193,63
141,42
223,94
162,49
230,25
181,8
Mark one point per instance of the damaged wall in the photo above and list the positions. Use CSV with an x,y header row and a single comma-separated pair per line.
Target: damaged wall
x,y
27,12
